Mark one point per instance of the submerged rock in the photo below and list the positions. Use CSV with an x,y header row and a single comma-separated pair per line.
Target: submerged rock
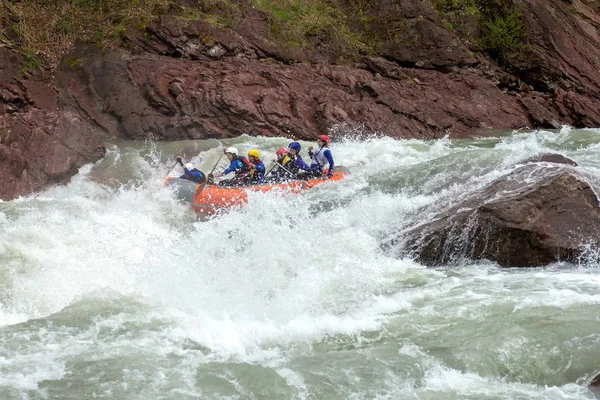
x,y
537,215
595,383
553,158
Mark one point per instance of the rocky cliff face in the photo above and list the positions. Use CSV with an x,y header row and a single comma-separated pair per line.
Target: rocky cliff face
x,y
40,144
189,78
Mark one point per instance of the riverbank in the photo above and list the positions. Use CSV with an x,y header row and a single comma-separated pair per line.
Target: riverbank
x,y
417,69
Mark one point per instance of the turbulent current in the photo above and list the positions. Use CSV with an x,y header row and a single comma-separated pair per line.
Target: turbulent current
x,y
111,288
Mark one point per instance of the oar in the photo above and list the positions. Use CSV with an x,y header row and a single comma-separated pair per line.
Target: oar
x,y
271,169
211,171
218,161
287,170
295,175
171,170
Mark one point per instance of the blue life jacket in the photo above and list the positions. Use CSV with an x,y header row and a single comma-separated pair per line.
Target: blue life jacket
x,y
194,175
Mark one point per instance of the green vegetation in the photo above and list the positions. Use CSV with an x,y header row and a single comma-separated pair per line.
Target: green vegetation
x,y
468,7
74,62
503,34
499,27
344,28
31,62
49,28
220,13
296,20
300,23
360,33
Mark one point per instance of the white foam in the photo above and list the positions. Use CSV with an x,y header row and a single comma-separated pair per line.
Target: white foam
x,y
265,282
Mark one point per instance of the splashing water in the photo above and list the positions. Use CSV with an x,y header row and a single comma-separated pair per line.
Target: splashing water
x,y
111,287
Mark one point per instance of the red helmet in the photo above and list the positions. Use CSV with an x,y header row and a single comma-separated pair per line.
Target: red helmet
x,y
324,138
281,152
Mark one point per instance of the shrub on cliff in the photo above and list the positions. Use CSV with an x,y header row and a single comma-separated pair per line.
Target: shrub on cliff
x,y
503,34
302,23
499,26
49,28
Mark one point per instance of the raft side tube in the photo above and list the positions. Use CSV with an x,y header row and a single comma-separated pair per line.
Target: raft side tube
x,y
184,189
210,198
341,168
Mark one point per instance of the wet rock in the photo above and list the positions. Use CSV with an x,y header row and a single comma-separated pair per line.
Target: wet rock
x,y
39,145
595,383
40,148
172,99
188,78
535,216
540,114
553,158
562,59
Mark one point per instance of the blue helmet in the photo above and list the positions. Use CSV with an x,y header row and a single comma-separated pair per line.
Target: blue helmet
x,y
295,146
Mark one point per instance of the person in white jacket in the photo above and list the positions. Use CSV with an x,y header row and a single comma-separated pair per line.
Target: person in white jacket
x,y
321,157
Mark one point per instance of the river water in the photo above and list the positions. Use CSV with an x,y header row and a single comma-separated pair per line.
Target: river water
x,y
111,288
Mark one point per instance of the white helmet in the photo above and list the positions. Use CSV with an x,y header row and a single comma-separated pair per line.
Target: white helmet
x,y
231,150
189,166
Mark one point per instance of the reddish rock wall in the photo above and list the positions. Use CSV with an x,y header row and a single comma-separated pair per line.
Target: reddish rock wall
x,y
186,79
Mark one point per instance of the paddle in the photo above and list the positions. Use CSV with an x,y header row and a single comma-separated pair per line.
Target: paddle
x,y
171,170
271,169
211,171
218,161
294,175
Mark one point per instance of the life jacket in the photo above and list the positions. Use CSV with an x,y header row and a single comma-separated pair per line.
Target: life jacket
x,y
246,166
195,175
280,159
253,172
318,157
277,171
289,163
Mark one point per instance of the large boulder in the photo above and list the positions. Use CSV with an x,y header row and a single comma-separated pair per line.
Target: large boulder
x,y
537,215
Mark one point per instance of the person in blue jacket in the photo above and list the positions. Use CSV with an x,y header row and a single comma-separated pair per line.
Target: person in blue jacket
x,y
257,167
238,165
191,173
321,157
296,163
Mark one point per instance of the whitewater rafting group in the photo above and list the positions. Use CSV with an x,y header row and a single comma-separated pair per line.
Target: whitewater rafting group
x,y
251,171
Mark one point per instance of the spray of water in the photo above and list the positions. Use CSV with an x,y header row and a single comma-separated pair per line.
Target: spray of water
x,y
113,265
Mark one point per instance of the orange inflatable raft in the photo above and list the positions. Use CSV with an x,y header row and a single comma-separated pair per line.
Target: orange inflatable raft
x,y
210,199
